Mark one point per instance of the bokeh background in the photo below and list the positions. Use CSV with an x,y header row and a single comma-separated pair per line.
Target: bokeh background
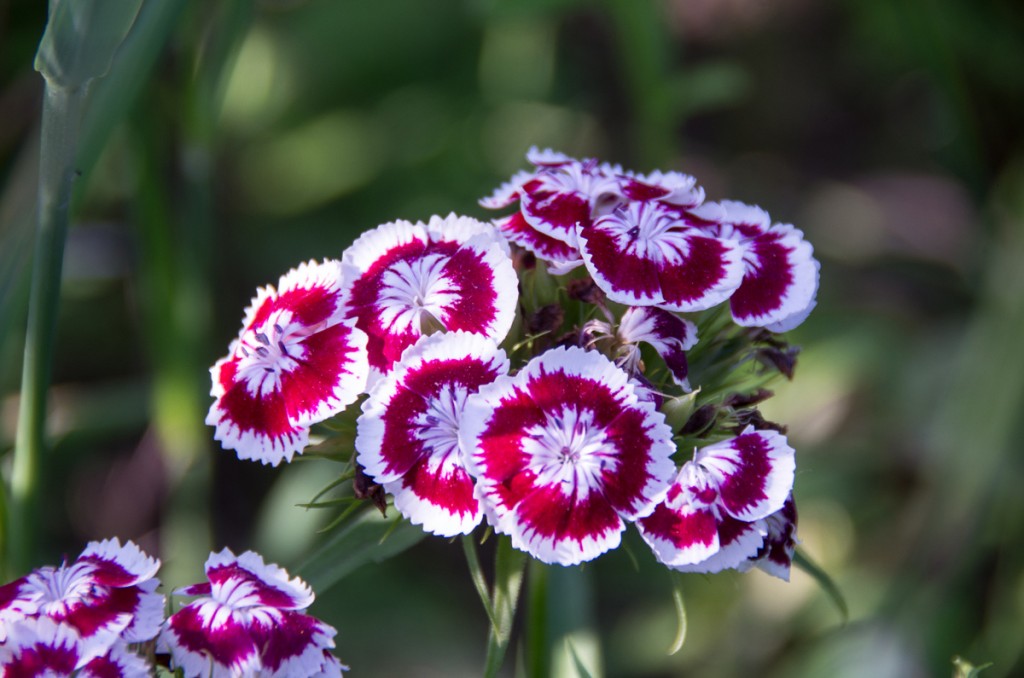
x,y
234,139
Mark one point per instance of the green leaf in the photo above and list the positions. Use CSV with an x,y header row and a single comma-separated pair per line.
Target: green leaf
x,y
476,575
509,565
826,582
81,39
371,538
112,97
680,605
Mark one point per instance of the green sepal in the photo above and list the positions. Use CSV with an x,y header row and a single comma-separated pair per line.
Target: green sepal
x,y
677,410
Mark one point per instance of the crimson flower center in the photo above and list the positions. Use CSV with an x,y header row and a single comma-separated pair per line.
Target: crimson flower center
x,y
235,593
64,588
438,425
648,234
568,450
269,351
701,485
414,292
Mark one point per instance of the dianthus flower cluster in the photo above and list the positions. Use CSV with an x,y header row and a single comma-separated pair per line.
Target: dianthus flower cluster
x,y
89,618
529,372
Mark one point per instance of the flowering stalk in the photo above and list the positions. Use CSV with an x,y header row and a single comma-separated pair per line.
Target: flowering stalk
x,y
509,565
62,110
587,362
77,47
561,638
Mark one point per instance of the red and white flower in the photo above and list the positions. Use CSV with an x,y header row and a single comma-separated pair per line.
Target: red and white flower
x,y
780,273
564,452
559,195
565,193
669,335
672,189
408,435
41,646
559,256
646,254
109,591
404,280
296,362
557,253
776,554
248,620
713,514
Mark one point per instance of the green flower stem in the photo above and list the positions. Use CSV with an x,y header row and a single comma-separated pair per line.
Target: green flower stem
x,y
538,655
78,46
562,639
476,574
509,565
62,113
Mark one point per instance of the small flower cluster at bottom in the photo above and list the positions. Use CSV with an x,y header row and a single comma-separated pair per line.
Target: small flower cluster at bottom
x,y
82,619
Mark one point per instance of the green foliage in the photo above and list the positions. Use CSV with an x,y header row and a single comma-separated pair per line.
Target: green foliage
x,y
370,538
680,605
825,581
81,39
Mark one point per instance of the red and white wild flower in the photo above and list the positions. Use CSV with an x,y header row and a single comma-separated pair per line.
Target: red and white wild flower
x,y
564,452
667,333
713,515
404,280
249,619
297,361
645,254
42,647
109,589
408,435
780,273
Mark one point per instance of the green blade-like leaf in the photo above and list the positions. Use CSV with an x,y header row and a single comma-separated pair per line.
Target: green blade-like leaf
x,y
680,606
476,575
81,39
371,538
112,97
826,582
509,568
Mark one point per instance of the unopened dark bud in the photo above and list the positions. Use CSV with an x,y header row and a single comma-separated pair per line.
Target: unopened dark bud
x,y
753,417
523,259
585,290
545,320
364,487
700,421
781,359
739,400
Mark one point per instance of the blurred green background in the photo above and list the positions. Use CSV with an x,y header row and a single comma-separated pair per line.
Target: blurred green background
x,y
234,139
